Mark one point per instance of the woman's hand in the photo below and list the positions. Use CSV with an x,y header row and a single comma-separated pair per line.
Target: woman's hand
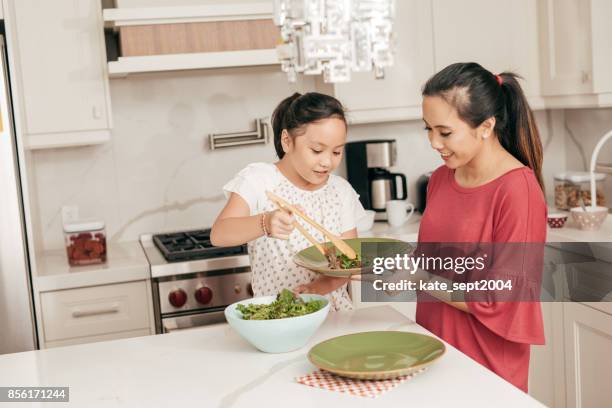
x,y
279,224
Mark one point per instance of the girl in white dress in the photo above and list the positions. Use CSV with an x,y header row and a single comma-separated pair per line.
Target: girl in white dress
x,y
310,132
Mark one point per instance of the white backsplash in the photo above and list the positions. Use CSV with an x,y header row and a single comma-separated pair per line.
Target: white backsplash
x,y
158,174
588,126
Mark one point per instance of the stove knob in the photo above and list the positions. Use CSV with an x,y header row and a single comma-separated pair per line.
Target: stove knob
x,y
203,295
250,289
177,298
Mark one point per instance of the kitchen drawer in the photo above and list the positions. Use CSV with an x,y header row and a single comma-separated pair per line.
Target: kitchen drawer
x,y
95,310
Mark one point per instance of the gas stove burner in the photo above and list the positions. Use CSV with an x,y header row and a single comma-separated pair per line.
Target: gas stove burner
x,y
188,245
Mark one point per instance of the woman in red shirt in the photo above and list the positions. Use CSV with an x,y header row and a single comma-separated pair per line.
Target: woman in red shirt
x,y
488,190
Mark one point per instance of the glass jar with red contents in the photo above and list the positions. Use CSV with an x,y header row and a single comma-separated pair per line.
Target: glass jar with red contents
x,y
85,243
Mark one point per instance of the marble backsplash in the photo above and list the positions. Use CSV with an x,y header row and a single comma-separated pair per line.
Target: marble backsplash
x,y
158,174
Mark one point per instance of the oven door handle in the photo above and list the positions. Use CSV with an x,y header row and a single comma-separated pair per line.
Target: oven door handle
x,y
169,325
180,323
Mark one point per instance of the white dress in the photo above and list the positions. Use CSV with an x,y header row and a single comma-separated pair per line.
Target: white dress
x,y
335,205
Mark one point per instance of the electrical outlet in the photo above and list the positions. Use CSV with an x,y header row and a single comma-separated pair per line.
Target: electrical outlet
x,y
70,213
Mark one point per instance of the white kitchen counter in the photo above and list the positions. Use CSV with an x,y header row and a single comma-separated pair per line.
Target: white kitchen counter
x,y
569,233
126,262
214,367
407,232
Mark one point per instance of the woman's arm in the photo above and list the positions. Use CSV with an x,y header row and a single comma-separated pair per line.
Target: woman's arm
x,y
421,275
234,225
447,298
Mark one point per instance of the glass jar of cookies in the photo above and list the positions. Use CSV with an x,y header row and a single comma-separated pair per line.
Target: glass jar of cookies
x,y
572,189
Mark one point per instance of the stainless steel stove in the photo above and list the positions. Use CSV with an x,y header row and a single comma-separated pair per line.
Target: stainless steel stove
x,y
193,281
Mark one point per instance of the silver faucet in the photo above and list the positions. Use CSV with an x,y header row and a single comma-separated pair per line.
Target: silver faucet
x,y
598,147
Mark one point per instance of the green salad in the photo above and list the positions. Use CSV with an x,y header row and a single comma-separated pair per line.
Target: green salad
x,y
286,305
337,260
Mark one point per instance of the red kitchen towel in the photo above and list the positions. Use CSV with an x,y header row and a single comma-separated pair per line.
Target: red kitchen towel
x,y
363,388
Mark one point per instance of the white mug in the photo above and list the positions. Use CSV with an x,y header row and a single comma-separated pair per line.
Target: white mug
x,y
397,212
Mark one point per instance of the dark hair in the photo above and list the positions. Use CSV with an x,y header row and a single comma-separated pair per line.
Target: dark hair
x,y
477,94
298,110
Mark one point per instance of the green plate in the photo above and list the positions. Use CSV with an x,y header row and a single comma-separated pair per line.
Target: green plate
x,y
376,355
311,258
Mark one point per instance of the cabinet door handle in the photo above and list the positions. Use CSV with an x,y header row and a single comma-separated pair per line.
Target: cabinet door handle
x,y
96,112
94,312
586,76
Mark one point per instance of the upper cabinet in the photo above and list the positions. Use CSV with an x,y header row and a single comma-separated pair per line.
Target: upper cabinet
x,y
398,95
576,52
59,53
500,35
433,34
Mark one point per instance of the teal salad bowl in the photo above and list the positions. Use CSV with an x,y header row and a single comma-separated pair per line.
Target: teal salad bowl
x,y
277,335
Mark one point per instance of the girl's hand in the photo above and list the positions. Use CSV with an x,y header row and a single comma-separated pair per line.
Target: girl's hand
x,y
311,287
279,224
321,286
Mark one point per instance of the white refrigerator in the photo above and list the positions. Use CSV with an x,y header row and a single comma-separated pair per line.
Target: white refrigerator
x,y
17,318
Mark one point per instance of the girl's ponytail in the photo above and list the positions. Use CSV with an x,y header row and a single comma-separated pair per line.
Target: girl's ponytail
x,y
279,118
522,138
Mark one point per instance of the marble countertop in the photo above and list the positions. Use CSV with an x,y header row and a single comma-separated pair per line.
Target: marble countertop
x,y
569,233
125,262
212,366
407,232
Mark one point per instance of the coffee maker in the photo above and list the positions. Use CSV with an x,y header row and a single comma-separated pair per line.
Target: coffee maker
x,y
367,164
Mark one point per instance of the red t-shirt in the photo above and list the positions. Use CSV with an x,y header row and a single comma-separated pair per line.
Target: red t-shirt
x,y
510,208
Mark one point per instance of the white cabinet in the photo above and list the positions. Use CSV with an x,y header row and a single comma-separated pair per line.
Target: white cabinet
x,y
500,35
435,33
61,71
95,313
398,95
547,362
588,347
576,52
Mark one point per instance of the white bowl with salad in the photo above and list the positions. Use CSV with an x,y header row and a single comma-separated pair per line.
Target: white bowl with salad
x,y
278,324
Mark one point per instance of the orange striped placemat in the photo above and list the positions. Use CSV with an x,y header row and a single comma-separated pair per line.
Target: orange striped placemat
x,y
363,388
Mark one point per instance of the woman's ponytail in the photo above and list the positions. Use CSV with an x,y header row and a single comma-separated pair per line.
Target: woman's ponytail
x,y
521,138
484,95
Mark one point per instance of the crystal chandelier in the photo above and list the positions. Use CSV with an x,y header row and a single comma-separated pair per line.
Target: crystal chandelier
x,y
334,37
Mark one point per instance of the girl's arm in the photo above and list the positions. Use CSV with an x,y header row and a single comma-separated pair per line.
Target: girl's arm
x,y
326,284
234,225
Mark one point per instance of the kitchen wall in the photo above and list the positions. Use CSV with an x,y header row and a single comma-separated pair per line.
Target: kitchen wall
x,y
585,128
158,174
416,157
